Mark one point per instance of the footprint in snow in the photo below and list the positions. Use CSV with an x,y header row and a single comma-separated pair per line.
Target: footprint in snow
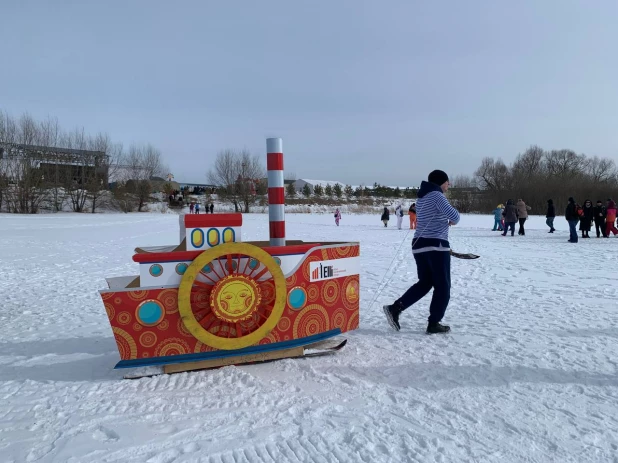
x,y
104,434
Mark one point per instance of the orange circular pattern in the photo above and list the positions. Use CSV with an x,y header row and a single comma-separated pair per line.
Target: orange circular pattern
x,y
137,327
235,298
313,292
351,295
330,292
345,251
180,326
111,312
148,339
172,346
126,344
106,296
169,298
339,319
137,295
272,338
164,325
124,318
291,280
313,319
118,301
306,265
353,322
284,324
325,255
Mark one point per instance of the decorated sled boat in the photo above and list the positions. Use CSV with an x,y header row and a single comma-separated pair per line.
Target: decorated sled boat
x,y
215,300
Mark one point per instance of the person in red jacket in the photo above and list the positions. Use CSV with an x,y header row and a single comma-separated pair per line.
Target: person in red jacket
x,y
610,218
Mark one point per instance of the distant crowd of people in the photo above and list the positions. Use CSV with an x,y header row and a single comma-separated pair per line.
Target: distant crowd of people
x,y
194,208
603,217
385,217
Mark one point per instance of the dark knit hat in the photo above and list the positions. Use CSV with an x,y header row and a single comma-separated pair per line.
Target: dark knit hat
x,y
438,177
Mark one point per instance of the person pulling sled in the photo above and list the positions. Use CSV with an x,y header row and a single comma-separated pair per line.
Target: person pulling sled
x,y
432,253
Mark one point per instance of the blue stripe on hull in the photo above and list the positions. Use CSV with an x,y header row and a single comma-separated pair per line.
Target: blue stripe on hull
x,y
172,359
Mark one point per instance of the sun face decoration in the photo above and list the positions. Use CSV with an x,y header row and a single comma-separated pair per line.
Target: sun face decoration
x,y
235,298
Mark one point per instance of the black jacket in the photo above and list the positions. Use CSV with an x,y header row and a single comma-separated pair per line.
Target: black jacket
x,y
599,213
571,212
551,210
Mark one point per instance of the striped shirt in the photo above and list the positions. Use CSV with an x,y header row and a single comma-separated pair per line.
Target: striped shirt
x,y
433,214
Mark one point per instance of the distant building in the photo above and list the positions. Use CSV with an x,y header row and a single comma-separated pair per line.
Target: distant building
x,y
55,165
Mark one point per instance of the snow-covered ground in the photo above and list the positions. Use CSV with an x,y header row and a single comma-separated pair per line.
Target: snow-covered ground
x,y
528,374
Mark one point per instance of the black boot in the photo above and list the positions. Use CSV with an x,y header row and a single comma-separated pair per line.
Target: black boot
x,y
433,328
392,313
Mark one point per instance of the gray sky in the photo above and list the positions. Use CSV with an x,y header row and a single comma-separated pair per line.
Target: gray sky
x,y
360,91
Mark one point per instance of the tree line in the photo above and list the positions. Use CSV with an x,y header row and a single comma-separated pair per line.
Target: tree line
x,y
43,166
537,175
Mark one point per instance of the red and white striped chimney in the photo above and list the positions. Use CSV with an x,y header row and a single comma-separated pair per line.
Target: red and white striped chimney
x,y
276,191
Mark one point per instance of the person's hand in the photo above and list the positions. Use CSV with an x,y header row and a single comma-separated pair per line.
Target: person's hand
x,y
451,223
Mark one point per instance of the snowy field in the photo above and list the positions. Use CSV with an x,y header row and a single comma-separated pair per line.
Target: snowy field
x,y
528,374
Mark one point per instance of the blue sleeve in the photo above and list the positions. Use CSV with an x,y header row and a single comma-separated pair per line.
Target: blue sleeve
x,y
449,211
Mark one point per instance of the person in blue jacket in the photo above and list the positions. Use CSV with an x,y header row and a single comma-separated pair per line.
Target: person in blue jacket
x,y
498,218
432,253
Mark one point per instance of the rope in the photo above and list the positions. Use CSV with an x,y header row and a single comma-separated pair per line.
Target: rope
x,y
379,291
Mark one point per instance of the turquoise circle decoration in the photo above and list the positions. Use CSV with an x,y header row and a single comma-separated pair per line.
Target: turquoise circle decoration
x,y
156,270
297,298
278,261
149,313
181,268
207,268
253,263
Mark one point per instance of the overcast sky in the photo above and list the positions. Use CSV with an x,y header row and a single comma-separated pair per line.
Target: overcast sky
x,y
360,91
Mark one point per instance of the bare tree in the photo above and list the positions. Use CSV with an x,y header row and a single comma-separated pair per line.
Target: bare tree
x,y
601,170
237,175
106,165
141,164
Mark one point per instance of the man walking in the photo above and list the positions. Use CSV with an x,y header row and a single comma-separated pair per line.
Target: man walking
x,y
431,251
572,217
550,216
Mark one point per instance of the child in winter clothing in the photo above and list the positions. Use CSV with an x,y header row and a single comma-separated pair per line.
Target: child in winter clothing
x,y
191,207
337,216
385,216
412,213
497,218
610,219
599,219
197,208
551,215
399,215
